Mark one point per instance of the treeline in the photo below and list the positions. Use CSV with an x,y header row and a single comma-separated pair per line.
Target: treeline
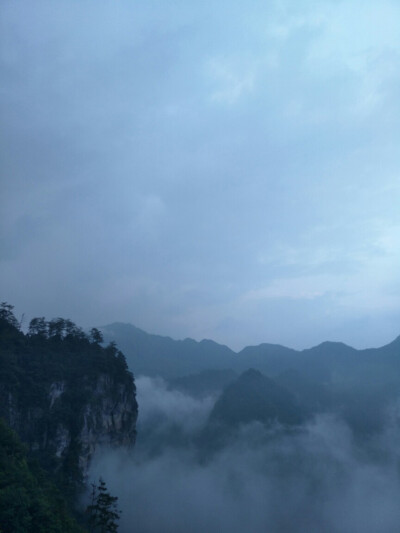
x,y
51,350
57,328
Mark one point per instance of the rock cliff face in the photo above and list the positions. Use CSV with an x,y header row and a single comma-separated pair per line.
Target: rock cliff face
x,y
106,416
108,419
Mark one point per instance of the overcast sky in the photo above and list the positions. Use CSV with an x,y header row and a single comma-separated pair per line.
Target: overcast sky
x,y
228,170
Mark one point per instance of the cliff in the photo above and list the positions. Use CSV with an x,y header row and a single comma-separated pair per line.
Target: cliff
x,y
104,415
65,395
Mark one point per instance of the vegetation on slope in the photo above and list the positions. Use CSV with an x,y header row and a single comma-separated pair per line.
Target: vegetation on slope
x,y
49,379
29,502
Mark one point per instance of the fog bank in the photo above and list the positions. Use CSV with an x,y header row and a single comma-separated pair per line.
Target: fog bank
x,y
312,479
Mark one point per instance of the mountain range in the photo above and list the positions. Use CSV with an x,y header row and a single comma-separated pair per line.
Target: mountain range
x,y
330,362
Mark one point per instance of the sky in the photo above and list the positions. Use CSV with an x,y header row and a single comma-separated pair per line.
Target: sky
x,y
224,170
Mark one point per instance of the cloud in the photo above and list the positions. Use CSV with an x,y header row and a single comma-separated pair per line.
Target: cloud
x,y
159,163
318,478
171,406
306,288
231,83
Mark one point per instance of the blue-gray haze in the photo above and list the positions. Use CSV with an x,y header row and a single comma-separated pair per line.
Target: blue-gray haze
x,y
208,169
319,478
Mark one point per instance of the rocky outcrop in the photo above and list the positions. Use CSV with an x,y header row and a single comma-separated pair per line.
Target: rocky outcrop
x,y
108,419
104,413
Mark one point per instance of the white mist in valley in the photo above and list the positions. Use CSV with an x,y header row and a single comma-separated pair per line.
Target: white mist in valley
x,y
318,477
169,407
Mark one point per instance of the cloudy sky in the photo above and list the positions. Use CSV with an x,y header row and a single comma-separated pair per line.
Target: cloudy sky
x,y
228,170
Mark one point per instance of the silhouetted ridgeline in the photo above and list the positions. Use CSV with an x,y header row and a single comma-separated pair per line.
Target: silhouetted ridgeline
x,y
329,362
358,385
64,395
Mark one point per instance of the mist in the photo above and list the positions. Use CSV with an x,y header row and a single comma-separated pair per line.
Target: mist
x,y
313,478
168,418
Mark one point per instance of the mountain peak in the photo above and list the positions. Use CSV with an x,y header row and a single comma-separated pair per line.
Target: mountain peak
x,y
251,374
330,347
255,397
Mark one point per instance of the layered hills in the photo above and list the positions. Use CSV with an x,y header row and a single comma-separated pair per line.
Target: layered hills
x,y
356,385
329,362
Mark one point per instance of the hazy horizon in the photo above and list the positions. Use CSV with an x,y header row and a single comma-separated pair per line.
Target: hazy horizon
x,y
237,350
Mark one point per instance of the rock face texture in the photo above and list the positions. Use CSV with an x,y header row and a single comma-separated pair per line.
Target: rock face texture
x,y
109,418
105,415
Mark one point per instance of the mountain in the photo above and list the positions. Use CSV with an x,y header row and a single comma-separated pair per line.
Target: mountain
x,y
254,397
205,383
156,355
329,363
163,356
312,395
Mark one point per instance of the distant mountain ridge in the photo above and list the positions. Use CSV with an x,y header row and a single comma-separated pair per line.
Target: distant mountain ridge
x,y
329,362
156,355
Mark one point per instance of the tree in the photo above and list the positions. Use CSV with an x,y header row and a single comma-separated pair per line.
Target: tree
x,y
70,328
96,336
6,314
29,502
56,327
111,348
103,511
38,326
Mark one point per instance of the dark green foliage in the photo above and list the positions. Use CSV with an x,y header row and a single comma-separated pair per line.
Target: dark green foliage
x,y
96,336
48,378
38,326
29,502
103,511
7,315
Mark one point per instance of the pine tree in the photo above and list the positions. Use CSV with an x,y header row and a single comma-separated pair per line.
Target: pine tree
x,y
103,511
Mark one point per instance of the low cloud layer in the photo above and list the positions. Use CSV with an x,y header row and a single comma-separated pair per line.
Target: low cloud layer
x,y
169,407
317,478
